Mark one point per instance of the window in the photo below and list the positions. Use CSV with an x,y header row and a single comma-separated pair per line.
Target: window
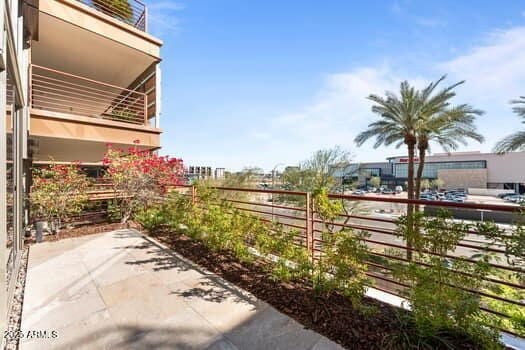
x,y
430,170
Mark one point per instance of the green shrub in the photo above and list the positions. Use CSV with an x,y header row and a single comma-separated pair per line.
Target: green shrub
x,y
287,259
342,265
154,219
437,293
514,245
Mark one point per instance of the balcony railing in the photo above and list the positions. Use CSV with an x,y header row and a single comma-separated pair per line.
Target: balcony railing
x,y
378,216
132,12
56,91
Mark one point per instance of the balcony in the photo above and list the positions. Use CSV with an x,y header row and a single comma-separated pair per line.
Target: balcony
x,y
74,117
132,12
55,91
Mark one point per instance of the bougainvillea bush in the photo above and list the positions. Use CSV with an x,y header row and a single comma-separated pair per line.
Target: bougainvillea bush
x,y
58,192
139,178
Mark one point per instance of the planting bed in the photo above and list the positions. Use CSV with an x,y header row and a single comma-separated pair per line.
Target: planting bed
x,y
332,316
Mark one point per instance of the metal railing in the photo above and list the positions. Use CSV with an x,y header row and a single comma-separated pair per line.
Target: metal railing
x,y
378,216
55,91
132,12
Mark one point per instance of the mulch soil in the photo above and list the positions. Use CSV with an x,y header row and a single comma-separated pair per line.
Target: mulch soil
x,y
332,316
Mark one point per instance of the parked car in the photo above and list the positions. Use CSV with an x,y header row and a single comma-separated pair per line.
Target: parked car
x,y
387,191
399,189
359,193
517,198
426,197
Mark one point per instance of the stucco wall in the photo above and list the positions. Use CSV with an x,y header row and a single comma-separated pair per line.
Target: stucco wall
x,y
463,178
509,167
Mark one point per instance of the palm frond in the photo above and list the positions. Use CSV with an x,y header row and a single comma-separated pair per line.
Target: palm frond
x,y
513,142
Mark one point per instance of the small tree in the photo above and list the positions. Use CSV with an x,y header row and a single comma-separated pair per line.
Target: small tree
x,y
437,184
441,290
58,192
375,181
139,177
341,267
425,184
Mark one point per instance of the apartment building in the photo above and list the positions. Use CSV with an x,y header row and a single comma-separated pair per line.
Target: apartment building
x,y
76,75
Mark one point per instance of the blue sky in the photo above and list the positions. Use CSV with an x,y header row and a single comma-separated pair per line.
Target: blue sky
x,y
257,83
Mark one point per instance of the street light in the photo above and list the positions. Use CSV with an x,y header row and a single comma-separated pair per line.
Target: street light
x,y
273,184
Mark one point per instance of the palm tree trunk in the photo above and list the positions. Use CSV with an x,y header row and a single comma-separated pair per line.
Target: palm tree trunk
x,y
410,195
419,174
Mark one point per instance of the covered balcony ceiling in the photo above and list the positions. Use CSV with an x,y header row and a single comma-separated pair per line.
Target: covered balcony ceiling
x,y
46,149
69,48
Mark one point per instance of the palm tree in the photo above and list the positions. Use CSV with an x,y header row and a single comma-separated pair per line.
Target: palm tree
x,y
416,118
397,125
516,141
445,125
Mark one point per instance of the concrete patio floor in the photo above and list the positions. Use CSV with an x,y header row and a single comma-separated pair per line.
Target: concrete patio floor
x,y
121,290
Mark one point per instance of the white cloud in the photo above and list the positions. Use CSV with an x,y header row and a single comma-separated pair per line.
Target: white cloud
x,y
494,72
162,16
496,67
336,115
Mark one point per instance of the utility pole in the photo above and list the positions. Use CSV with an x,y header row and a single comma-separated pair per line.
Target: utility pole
x,y
273,184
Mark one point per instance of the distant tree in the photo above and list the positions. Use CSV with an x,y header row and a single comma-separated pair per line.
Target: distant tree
x,y
375,181
425,184
516,141
437,184
318,171
245,178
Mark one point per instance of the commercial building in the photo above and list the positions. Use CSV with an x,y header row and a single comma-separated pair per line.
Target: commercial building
x,y
455,170
219,173
194,172
76,75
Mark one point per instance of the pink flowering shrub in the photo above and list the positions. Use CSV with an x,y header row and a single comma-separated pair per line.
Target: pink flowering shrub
x,y
139,177
58,192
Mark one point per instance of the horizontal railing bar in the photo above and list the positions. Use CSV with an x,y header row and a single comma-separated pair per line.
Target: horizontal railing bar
x,y
81,91
292,193
267,205
88,113
85,79
392,233
488,279
402,247
74,86
70,102
477,292
269,213
493,207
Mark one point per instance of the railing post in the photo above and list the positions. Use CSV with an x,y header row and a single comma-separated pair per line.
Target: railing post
x,y
30,87
193,195
145,110
309,226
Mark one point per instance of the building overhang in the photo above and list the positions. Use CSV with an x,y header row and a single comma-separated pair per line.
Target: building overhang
x,y
79,43
77,128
